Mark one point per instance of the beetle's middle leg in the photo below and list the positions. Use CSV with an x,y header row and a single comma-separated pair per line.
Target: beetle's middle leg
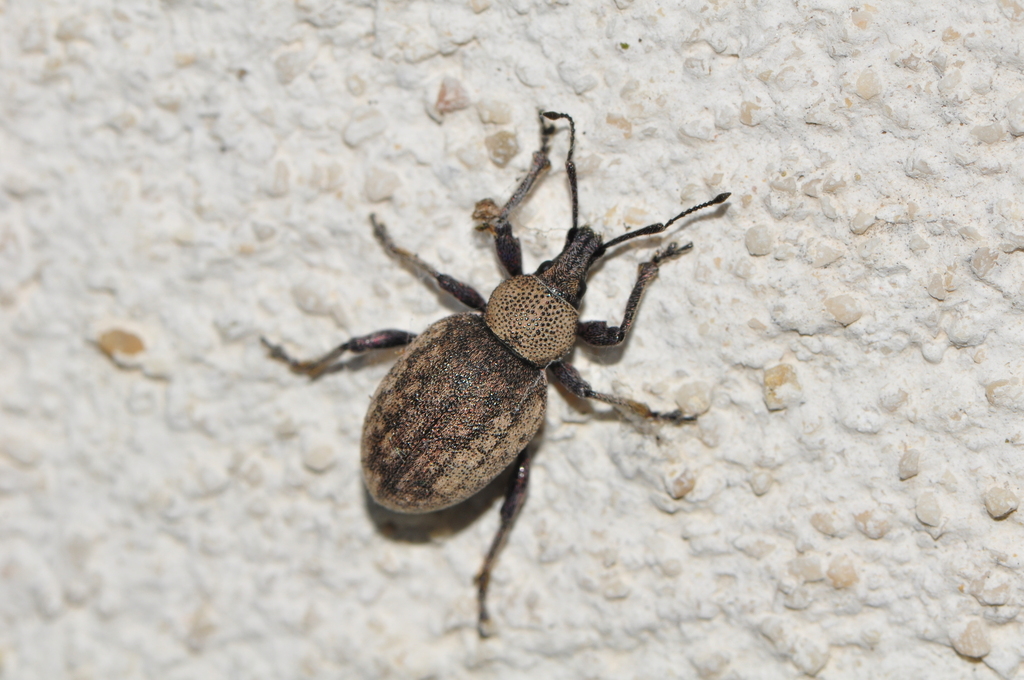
x,y
514,497
326,364
463,292
599,333
567,374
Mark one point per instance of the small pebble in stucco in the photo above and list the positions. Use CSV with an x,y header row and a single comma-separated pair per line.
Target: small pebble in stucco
x,y
380,185
910,462
680,484
826,523
760,482
935,288
868,85
993,589
983,260
843,309
365,124
492,112
1015,115
988,134
872,524
861,222
318,458
451,96
1000,502
807,568
758,241
842,573
502,146
693,398
972,640
781,388
928,509
116,343
892,398
749,113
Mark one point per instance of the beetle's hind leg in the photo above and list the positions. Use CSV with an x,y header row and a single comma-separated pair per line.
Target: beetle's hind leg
x,y
599,333
327,363
495,220
514,497
567,374
463,292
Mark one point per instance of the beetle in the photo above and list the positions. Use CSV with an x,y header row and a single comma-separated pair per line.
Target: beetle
x,y
465,398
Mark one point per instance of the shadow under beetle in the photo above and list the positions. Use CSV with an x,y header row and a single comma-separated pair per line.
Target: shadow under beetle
x,y
467,396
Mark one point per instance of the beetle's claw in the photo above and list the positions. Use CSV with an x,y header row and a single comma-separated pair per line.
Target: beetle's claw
x,y
671,250
308,368
674,417
276,351
484,626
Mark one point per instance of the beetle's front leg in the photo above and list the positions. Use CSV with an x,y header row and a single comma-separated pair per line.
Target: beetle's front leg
x,y
599,333
570,165
510,253
567,374
514,497
326,364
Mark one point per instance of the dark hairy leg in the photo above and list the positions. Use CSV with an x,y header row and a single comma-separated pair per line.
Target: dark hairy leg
x,y
514,498
567,374
570,166
326,364
464,293
599,332
496,221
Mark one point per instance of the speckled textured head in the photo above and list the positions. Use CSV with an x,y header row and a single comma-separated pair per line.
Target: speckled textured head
x,y
454,411
534,322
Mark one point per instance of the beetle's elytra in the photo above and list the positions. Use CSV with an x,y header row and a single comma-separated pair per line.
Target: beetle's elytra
x,y
467,396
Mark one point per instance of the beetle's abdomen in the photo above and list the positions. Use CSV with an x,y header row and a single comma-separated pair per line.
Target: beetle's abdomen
x,y
454,411
538,325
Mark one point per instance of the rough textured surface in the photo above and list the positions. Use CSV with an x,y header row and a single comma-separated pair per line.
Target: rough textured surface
x,y
180,177
532,320
454,411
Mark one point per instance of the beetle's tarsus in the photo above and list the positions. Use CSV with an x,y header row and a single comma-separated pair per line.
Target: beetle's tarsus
x,y
670,251
645,411
309,368
484,627
673,416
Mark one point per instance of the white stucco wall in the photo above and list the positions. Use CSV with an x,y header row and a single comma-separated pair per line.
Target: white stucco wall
x,y
178,178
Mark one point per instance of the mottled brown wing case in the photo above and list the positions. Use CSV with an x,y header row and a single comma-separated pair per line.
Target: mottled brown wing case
x,y
454,411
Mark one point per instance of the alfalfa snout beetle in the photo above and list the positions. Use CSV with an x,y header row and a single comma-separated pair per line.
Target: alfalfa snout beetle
x,y
467,396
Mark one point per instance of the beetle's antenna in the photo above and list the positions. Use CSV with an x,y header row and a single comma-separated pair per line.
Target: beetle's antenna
x,y
658,228
570,166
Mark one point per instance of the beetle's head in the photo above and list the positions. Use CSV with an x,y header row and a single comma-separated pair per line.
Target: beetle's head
x,y
567,273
